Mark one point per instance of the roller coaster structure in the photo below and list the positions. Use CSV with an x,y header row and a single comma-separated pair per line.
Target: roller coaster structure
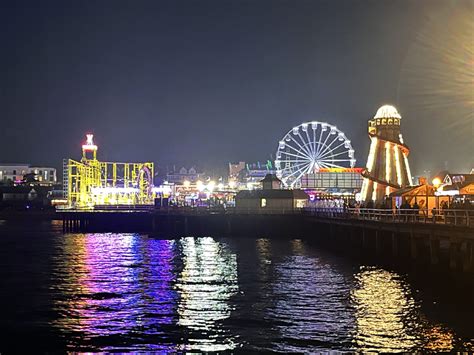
x,y
91,182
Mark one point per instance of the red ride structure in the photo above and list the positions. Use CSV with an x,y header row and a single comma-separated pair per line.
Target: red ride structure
x,y
387,167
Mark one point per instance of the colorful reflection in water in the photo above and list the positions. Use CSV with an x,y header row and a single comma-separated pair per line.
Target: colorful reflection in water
x,y
128,292
388,318
206,284
115,286
126,288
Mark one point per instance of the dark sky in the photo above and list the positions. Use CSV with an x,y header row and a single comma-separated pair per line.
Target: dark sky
x,y
207,82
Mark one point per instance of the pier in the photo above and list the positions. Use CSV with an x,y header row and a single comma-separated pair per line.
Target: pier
x,y
441,240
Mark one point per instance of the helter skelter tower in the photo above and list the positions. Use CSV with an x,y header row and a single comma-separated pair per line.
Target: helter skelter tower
x,y
387,165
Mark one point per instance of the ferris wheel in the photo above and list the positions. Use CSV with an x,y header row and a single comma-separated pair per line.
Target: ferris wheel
x,y
309,147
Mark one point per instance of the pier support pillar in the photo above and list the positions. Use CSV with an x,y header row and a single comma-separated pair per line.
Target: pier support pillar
x,y
453,254
467,256
365,241
229,225
413,246
378,243
434,250
394,245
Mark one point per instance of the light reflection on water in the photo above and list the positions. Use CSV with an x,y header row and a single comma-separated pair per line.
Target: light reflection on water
x,y
134,288
388,318
131,292
206,284
311,305
113,284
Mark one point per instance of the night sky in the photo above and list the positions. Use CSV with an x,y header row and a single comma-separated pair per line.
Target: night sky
x,y
207,82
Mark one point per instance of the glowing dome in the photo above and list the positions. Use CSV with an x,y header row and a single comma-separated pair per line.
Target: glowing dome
x,y
387,111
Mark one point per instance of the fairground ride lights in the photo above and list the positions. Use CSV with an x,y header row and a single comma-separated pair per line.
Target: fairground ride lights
x,y
374,192
373,147
162,189
388,169
397,164
89,143
210,186
200,186
114,190
405,158
447,193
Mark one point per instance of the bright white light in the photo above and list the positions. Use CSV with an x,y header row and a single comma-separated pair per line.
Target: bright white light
x,y
220,186
436,182
388,166
211,185
163,189
397,164
365,187
232,184
373,147
200,186
387,111
186,183
447,193
401,138
114,190
249,186
407,166
89,143
374,192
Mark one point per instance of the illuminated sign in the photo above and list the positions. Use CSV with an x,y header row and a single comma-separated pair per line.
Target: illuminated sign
x,y
341,170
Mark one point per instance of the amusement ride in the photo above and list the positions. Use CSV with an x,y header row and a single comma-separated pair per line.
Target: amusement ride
x,y
310,147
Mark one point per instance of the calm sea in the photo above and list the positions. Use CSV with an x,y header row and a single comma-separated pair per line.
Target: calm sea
x,y
132,292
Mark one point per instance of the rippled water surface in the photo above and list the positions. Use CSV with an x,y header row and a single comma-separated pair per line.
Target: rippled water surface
x,y
126,292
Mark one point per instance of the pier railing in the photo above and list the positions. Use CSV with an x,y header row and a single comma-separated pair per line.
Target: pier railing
x,y
455,217
450,216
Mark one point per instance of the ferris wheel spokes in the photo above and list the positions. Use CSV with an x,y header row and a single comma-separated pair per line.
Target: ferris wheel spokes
x,y
330,151
327,146
304,153
307,154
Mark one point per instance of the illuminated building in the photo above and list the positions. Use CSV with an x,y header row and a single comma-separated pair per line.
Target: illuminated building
x,y
271,197
334,180
387,167
16,173
248,176
183,174
91,182
235,169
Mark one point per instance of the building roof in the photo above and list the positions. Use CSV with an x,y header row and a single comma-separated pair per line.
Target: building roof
x,y
420,190
460,177
270,178
276,194
387,111
15,164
